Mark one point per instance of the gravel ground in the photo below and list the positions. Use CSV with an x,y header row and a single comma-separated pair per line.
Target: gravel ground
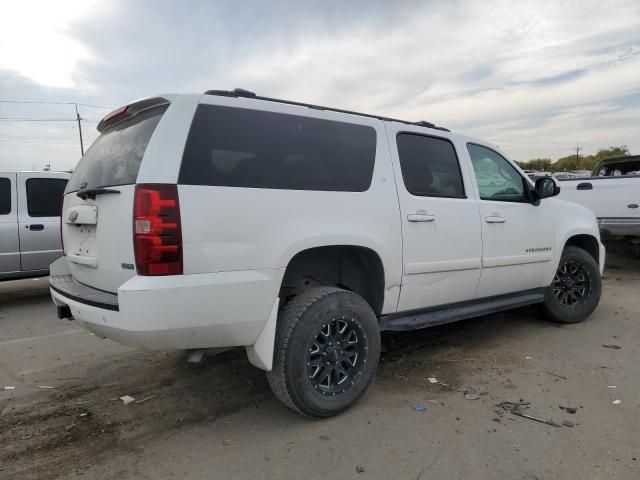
x,y
220,420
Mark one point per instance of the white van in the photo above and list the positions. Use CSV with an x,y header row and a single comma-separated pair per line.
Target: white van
x,y
300,232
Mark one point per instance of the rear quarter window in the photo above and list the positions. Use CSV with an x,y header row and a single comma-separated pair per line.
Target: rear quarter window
x,y
237,147
115,156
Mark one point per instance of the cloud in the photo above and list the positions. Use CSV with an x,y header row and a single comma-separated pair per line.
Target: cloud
x,y
36,43
528,76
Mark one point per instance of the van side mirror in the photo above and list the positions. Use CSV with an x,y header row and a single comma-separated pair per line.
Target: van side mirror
x,y
546,187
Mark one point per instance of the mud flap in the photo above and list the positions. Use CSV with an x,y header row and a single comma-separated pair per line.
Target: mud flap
x,y
261,352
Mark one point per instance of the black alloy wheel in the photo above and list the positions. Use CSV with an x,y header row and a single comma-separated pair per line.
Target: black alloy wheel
x,y
337,356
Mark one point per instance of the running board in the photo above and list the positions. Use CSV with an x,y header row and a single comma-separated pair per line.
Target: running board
x,y
416,319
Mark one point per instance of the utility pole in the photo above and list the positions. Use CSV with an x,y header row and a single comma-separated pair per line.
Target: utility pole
x,y
578,148
79,129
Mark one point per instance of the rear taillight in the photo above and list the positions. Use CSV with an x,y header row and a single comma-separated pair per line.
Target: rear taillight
x,y
157,232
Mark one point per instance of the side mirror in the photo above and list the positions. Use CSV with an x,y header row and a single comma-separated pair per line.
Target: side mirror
x,y
546,187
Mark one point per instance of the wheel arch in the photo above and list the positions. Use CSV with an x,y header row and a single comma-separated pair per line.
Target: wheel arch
x,y
378,287
586,242
354,267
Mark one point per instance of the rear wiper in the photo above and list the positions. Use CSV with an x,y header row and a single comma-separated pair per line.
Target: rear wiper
x,y
93,192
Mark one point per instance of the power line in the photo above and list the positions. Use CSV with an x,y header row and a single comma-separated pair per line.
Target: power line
x,y
19,119
55,103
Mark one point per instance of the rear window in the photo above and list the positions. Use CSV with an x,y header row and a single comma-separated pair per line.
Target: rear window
x,y
115,156
5,196
44,196
237,147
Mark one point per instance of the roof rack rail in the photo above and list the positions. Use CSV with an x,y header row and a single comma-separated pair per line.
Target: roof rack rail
x,y
240,92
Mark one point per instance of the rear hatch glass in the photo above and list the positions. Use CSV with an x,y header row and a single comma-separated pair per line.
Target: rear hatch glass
x,y
115,156
97,232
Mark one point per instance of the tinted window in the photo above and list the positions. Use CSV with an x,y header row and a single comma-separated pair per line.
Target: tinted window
x,y
237,147
5,196
115,156
627,168
497,178
429,166
44,196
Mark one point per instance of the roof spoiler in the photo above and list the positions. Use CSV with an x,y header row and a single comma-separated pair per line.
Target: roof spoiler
x,y
130,110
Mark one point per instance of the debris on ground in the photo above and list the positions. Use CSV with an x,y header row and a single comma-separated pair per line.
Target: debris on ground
x,y
612,386
8,387
432,379
617,402
471,394
571,410
359,469
569,424
556,375
515,408
48,387
142,400
419,408
127,399
613,346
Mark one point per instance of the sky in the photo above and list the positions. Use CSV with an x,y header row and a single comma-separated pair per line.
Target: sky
x,y
534,78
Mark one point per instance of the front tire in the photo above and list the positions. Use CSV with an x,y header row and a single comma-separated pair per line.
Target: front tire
x,y
326,352
575,290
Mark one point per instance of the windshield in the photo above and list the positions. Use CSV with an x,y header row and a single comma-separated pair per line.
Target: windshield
x,y
115,156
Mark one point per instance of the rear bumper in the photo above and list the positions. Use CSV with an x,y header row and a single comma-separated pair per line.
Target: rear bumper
x,y
67,287
183,311
619,226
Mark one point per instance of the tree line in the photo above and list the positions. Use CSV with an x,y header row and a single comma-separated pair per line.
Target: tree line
x,y
573,162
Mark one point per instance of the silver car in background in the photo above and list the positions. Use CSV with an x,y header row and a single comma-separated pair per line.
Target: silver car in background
x,y
30,222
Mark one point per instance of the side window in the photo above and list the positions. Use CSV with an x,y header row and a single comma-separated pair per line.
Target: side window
x,y
238,147
44,196
429,166
497,178
5,196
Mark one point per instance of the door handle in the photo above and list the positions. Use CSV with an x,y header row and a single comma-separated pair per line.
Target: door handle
x,y
421,217
584,186
35,226
494,219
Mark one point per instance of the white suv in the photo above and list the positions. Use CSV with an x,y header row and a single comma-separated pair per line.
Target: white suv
x,y
301,232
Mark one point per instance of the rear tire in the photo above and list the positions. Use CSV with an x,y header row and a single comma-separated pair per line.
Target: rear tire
x,y
326,351
575,290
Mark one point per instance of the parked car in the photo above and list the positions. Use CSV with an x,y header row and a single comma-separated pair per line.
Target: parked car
x,y
301,232
612,193
30,222
616,167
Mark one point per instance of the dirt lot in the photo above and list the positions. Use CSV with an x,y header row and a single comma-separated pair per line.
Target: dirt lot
x,y
221,421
